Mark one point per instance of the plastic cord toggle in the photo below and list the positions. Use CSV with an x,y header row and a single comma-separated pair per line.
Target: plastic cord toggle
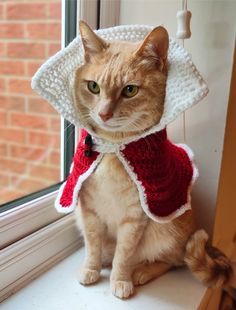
x,y
183,24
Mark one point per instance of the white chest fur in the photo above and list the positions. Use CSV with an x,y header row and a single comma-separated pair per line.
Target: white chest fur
x,y
110,192
112,195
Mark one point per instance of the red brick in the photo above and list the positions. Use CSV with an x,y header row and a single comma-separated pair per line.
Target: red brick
x,y
44,139
53,48
37,105
48,173
27,152
55,158
11,67
45,31
13,31
22,11
54,10
2,15
11,103
4,180
28,185
2,49
28,121
2,85
32,67
3,149
11,165
3,118
7,194
12,135
20,86
55,124
26,50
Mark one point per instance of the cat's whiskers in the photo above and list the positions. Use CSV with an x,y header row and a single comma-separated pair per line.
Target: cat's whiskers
x,y
113,71
118,121
135,126
86,117
121,125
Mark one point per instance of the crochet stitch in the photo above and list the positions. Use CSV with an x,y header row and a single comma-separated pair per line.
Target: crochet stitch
x,y
164,194
162,171
54,79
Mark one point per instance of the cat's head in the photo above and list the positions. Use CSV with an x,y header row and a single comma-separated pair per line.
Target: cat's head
x,y
120,89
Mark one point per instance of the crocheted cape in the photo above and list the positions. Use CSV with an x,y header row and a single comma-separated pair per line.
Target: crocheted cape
x,y
162,171
185,87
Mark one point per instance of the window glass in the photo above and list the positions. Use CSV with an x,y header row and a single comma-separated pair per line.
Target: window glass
x,y
30,32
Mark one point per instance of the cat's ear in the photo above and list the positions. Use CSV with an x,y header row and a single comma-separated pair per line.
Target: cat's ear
x,y
91,42
155,45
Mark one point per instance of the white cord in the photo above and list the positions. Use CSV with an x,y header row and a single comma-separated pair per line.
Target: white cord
x,y
184,8
184,116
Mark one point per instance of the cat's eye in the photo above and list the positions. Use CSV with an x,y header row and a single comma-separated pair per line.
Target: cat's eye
x,y
130,91
93,87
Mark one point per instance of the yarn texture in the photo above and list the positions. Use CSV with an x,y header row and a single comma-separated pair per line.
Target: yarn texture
x,y
162,171
54,79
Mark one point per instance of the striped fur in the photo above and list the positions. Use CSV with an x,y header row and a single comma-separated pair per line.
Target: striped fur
x,y
116,230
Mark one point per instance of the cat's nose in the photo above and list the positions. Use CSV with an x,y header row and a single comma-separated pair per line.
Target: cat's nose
x,y
105,116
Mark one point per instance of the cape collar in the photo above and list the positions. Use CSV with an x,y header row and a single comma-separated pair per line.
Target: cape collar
x,y
54,80
162,172
103,146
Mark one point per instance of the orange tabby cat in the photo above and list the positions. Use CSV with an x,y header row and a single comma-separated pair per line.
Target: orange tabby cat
x,y
119,92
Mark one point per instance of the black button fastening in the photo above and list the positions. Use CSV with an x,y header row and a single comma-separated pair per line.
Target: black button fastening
x,y
88,140
88,146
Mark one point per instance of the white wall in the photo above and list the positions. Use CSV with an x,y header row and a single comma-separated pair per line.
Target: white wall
x,y
213,27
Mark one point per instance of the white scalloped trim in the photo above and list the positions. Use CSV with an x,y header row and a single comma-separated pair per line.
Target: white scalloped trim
x,y
143,197
77,188
141,190
54,79
185,87
190,153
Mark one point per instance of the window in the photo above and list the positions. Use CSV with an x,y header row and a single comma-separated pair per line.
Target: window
x,y
30,129
35,149
33,236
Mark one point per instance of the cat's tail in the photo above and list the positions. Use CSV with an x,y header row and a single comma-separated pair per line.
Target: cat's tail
x,y
207,263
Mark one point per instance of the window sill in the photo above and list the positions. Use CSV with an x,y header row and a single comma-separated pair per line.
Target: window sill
x,y
58,290
29,257
27,218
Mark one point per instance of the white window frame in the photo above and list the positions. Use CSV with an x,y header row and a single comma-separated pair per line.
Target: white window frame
x,y
37,213
33,236
27,218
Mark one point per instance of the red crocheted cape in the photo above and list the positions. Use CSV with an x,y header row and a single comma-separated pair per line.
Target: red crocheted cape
x,y
162,171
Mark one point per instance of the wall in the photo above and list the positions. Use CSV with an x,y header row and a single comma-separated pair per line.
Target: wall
x,y
211,45
225,228
30,32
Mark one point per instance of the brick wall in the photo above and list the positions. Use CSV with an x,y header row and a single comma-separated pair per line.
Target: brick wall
x,y
30,32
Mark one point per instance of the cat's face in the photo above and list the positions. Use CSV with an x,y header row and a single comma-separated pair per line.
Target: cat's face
x,y
120,89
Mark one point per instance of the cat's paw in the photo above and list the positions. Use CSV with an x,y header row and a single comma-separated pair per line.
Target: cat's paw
x,y
122,289
88,276
141,277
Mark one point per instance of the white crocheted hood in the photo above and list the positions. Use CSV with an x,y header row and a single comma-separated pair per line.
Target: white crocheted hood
x,y
54,79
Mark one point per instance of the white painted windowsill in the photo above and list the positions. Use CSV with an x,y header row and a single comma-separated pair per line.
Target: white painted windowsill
x,y
58,289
